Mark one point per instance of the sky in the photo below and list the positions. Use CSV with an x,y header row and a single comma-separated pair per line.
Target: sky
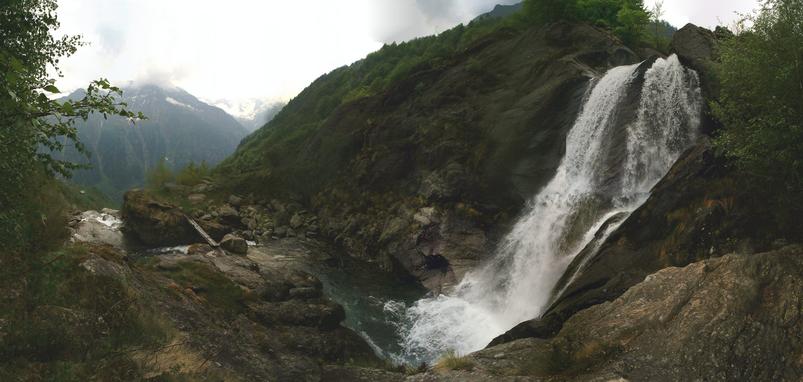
x,y
234,53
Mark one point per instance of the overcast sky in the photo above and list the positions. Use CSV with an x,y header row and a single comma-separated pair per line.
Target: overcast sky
x,y
248,49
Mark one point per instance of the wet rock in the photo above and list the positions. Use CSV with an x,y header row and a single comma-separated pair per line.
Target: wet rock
x,y
425,216
697,48
694,44
214,228
198,249
296,221
234,244
305,293
701,209
102,267
196,198
98,227
235,200
155,223
731,318
275,290
227,211
321,314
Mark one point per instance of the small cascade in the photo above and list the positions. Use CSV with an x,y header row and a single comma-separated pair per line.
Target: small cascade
x,y
611,164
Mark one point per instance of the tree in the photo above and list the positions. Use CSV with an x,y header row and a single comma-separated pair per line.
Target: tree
x,y
656,13
761,96
546,11
630,22
159,175
627,18
31,123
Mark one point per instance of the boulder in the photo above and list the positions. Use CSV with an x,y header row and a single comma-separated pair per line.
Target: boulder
x,y
155,223
235,200
214,228
196,198
697,48
694,44
322,314
98,227
296,221
234,244
229,215
730,319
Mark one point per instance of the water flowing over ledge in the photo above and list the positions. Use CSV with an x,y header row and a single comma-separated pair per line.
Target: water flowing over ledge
x,y
610,165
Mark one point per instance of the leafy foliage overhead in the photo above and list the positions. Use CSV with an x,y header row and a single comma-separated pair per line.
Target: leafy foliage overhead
x,y
30,121
761,100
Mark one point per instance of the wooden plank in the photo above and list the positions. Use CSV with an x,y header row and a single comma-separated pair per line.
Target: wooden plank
x,y
203,233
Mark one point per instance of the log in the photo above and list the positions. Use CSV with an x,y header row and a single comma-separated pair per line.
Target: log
x,y
203,233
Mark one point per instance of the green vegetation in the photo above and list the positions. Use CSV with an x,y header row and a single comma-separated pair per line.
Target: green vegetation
x,y
209,285
271,155
761,98
267,149
627,18
161,175
71,325
32,121
51,308
452,361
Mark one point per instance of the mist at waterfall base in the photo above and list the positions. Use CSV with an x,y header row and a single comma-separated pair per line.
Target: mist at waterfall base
x,y
608,170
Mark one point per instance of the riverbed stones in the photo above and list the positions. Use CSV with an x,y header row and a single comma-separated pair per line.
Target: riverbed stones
x,y
235,200
98,227
234,244
154,222
196,198
296,221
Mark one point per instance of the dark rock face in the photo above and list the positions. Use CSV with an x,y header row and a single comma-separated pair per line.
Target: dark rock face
x,y
696,45
471,140
701,209
732,318
697,48
155,223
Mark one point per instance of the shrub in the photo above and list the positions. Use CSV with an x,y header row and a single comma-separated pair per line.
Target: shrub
x,y
761,97
451,361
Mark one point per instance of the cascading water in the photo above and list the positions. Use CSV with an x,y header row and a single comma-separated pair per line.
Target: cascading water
x,y
609,167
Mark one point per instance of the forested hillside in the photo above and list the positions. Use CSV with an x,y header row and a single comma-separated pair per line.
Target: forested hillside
x,y
179,130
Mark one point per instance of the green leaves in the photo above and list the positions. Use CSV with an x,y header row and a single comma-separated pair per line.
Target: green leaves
x,y
52,89
33,125
627,18
761,96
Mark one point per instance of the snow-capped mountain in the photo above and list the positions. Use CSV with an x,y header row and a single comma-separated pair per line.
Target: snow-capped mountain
x,y
180,128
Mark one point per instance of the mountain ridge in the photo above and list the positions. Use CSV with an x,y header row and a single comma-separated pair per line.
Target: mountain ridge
x,y
180,130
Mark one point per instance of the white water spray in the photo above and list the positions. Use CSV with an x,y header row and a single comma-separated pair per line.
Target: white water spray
x,y
608,169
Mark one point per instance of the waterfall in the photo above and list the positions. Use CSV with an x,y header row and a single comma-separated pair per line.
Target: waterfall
x,y
609,167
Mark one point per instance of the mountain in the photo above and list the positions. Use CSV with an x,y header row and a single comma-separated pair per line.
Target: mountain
x,y
264,115
500,11
180,129
252,113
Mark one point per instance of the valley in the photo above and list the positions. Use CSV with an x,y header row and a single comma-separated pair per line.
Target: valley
x,y
552,191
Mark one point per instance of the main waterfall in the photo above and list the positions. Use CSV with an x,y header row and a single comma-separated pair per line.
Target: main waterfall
x,y
610,165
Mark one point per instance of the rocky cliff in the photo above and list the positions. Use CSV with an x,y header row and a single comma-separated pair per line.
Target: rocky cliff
x,y
733,318
703,208
421,177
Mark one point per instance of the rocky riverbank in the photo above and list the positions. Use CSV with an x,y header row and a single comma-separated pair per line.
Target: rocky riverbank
x,y
207,314
737,317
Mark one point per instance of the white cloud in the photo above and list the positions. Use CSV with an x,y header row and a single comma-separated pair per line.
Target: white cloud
x,y
267,50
